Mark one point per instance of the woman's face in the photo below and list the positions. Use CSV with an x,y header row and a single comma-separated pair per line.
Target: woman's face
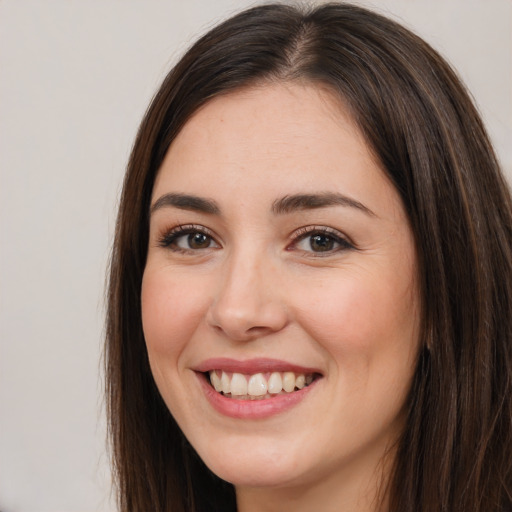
x,y
281,268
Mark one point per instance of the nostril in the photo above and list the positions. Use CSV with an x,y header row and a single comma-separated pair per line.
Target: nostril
x,y
247,325
245,307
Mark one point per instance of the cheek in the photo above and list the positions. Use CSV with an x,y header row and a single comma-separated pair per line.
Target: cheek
x,y
369,330
359,319
171,312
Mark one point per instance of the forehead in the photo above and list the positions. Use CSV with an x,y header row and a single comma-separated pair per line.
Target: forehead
x,y
274,112
278,138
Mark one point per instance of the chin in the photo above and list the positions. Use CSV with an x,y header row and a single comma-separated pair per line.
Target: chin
x,y
254,468
248,475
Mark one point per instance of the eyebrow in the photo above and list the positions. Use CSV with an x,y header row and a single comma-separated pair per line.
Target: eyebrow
x,y
186,202
297,202
282,206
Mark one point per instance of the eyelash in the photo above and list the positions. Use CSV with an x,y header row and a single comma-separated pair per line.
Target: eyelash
x,y
169,239
310,231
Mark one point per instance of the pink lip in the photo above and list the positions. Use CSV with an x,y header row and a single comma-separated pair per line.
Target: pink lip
x,y
252,366
252,409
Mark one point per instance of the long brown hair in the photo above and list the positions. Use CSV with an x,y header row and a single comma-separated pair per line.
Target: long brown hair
x,y
455,454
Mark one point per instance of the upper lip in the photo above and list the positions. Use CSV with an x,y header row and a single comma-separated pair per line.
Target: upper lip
x,y
252,366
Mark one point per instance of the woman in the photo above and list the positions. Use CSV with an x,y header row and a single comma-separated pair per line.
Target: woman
x,y
309,301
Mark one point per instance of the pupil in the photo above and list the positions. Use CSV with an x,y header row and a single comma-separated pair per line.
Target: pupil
x,y
321,243
198,241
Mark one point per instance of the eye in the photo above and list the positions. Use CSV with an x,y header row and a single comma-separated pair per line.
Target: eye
x,y
188,238
320,241
193,241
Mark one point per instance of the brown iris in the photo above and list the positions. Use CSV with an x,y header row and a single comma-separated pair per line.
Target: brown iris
x,y
321,243
198,241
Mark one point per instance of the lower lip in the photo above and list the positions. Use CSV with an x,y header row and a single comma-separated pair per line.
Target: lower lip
x,y
252,409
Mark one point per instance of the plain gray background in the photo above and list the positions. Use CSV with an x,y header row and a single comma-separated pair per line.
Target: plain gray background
x,y
75,79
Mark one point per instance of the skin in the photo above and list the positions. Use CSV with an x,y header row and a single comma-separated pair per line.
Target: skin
x,y
258,288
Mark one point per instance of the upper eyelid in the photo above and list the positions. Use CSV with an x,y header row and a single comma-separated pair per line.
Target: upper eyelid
x,y
187,228
302,233
182,230
309,230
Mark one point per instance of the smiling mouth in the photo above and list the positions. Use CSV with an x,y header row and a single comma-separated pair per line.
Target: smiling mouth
x,y
258,386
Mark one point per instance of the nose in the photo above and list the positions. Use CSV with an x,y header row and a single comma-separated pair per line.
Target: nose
x,y
249,301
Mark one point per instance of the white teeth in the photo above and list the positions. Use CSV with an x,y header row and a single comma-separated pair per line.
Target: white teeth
x,y
275,383
216,382
300,381
238,384
226,383
288,381
257,385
